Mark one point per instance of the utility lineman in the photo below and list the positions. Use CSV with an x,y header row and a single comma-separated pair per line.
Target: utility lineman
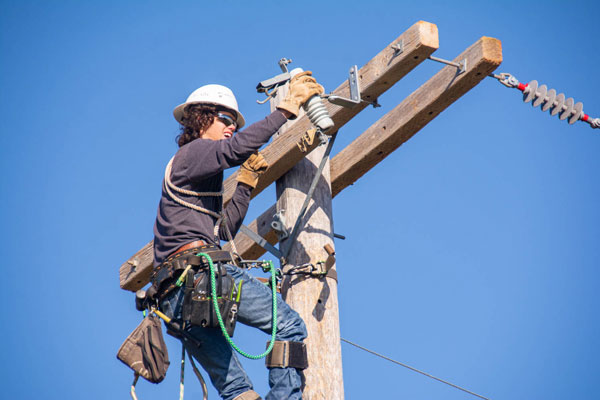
x,y
191,220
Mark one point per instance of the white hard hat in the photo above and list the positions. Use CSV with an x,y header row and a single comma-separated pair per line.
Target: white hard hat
x,y
217,95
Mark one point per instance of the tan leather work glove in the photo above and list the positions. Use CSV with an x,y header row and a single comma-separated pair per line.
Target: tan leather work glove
x,y
302,87
251,169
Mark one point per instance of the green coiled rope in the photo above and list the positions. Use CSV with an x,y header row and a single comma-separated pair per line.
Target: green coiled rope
x,y
213,290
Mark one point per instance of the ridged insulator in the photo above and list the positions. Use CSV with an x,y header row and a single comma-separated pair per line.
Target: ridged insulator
x,y
315,109
318,114
555,103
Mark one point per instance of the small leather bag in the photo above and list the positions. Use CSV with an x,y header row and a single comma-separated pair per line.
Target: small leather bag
x,y
145,351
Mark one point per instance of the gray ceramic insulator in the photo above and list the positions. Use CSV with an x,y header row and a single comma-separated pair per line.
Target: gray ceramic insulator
x,y
315,109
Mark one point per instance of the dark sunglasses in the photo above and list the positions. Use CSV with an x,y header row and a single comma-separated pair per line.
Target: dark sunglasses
x,y
226,119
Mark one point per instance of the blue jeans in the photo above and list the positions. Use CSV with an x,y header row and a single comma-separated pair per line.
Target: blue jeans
x,y
218,358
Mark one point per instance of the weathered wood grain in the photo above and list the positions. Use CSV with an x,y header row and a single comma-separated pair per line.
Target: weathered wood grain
x,y
413,113
315,299
135,273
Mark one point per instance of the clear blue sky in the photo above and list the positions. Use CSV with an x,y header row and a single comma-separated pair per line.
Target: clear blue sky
x,y
471,253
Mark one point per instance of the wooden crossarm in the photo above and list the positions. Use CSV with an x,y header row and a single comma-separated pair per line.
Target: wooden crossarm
x,y
393,129
377,76
413,113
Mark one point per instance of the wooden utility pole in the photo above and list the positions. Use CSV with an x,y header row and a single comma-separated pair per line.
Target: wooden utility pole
x,y
314,298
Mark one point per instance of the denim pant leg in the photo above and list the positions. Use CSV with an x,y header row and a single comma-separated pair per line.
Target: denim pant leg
x,y
256,310
215,355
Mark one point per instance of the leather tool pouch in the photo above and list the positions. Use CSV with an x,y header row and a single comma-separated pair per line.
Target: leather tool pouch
x,y
145,351
164,276
197,306
198,300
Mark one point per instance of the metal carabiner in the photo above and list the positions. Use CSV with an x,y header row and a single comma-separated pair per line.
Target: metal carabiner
x,y
506,79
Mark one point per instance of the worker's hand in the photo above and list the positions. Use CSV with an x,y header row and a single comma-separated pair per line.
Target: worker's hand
x,y
302,87
251,169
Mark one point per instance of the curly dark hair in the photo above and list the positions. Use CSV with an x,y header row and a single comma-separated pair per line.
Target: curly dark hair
x,y
197,118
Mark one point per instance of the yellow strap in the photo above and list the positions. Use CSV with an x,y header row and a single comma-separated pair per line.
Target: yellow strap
x,y
161,315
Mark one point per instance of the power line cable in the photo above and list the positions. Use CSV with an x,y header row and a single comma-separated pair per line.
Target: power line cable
x,y
413,369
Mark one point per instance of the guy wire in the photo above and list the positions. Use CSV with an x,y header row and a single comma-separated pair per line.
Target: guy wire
x,y
413,369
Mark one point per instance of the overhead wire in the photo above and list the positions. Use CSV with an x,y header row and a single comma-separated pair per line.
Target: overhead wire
x,y
413,369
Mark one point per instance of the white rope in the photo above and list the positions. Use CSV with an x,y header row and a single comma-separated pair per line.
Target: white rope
x,y
169,184
184,191
220,218
231,241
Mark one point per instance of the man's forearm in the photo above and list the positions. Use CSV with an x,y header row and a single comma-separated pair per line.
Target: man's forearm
x,y
236,209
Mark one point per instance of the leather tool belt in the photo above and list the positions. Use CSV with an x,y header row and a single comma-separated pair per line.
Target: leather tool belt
x,y
198,308
164,276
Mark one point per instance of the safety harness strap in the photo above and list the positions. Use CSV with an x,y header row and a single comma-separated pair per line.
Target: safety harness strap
x,y
332,273
287,354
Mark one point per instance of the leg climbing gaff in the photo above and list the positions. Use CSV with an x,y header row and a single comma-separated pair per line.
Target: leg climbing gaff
x,y
285,353
288,354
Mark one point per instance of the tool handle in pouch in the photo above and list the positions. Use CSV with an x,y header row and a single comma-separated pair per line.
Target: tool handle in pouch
x,y
202,310
315,109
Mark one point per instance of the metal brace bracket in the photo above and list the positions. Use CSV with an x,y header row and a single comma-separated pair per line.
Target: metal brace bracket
x,y
323,138
354,99
261,241
278,225
398,48
462,66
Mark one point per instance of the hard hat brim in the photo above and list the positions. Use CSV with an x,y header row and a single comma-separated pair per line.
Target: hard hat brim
x,y
178,112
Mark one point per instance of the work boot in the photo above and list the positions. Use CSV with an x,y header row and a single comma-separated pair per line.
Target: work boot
x,y
249,395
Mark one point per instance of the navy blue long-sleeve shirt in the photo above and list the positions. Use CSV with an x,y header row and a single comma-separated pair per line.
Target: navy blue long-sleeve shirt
x,y
198,166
